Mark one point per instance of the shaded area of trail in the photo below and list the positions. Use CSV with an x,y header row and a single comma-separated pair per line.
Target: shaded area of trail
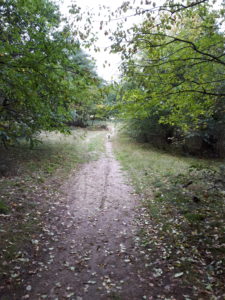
x,y
95,255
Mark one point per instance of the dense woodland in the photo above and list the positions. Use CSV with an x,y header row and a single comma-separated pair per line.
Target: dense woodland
x,y
171,91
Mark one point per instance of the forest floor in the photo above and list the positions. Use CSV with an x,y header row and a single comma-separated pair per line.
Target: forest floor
x,y
85,237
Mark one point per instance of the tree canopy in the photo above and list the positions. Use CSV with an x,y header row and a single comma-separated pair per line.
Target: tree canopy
x,y
43,69
172,72
176,59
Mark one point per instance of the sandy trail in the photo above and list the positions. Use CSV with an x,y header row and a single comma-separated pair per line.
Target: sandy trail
x,y
95,256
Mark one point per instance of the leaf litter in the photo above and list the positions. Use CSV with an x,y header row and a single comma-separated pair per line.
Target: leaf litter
x,y
104,244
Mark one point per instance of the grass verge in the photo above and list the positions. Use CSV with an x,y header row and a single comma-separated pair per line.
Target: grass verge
x,y
183,203
29,186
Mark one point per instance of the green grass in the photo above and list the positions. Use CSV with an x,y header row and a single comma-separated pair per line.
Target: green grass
x,y
55,151
3,208
185,202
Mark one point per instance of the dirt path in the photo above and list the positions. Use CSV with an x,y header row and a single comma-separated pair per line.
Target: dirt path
x,y
95,254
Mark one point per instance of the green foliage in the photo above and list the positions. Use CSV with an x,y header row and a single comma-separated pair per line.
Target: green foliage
x,y
43,70
150,130
174,71
179,69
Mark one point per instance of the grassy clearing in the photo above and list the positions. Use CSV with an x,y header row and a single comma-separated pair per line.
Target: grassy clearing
x,y
29,184
184,205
